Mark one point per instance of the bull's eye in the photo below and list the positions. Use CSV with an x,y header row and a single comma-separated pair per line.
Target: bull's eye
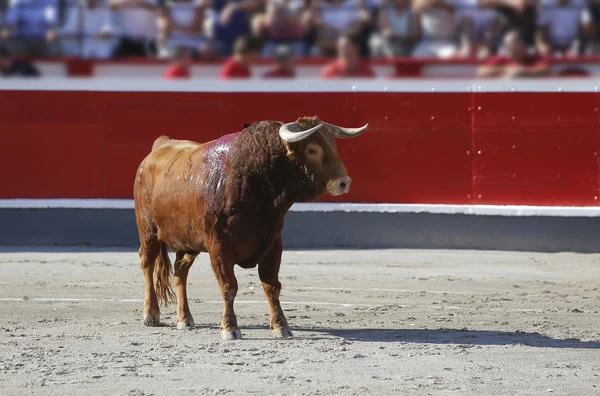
x,y
312,150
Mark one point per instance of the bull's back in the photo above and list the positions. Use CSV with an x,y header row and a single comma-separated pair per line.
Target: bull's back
x,y
168,156
165,192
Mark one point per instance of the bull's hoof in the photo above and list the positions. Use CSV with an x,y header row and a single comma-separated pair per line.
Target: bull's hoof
x,y
282,332
187,324
231,334
152,320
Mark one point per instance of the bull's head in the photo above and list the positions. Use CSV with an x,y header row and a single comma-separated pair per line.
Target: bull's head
x,y
311,143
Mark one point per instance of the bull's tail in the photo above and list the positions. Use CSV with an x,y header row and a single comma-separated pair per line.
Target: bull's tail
x,y
160,141
162,272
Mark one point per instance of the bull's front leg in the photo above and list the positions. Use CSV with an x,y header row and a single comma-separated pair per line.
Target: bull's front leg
x,y
268,270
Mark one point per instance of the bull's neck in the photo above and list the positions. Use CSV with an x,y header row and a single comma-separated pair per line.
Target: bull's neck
x,y
297,187
289,181
261,158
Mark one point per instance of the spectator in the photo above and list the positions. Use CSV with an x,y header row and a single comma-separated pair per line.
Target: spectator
x,y
138,19
333,17
520,15
517,62
180,63
592,33
561,25
231,19
3,6
285,67
438,29
369,27
259,28
349,62
479,29
398,29
31,27
90,30
284,24
246,51
10,67
181,23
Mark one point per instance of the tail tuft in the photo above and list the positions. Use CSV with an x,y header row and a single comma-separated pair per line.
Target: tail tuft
x,y
162,271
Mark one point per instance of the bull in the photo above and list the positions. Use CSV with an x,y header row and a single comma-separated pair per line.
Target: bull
x,y
228,197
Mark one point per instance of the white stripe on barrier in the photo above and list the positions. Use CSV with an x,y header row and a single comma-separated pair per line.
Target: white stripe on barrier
x,y
448,209
66,203
116,84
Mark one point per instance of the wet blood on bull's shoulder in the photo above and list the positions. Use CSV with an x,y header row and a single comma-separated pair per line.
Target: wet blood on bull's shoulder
x,y
220,147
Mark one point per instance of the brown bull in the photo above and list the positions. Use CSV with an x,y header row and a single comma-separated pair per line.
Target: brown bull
x,y
228,197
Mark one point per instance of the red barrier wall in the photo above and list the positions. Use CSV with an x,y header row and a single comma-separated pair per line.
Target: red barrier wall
x,y
457,148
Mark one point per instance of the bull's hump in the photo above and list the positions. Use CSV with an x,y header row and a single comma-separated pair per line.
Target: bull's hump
x,y
160,141
178,145
168,157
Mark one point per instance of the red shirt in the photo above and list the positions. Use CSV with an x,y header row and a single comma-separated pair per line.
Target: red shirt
x,y
233,69
176,71
337,69
278,72
529,60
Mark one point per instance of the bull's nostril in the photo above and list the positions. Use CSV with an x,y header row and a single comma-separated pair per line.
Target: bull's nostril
x,y
343,185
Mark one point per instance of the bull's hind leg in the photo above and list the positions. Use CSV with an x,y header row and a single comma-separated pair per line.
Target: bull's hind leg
x,y
268,271
222,265
182,266
149,251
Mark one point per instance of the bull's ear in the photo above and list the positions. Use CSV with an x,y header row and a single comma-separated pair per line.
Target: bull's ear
x,y
289,149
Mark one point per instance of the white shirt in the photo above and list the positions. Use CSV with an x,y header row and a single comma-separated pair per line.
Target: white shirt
x,y
340,16
399,24
139,23
290,5
87,23
438,23
183,14
563,22
480,16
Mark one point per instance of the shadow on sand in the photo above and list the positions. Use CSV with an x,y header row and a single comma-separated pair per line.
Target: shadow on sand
x,y
454,336
430,336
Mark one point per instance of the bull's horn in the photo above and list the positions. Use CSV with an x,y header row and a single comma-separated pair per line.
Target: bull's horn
x,y
342,132
292,133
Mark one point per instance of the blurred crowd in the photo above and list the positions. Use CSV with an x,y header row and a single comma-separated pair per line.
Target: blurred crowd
x,y
181,30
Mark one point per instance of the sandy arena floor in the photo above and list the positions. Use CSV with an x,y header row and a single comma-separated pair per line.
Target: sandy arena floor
x,y
390,322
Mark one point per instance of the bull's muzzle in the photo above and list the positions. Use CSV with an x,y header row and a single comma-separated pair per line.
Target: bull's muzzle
x,y
340,186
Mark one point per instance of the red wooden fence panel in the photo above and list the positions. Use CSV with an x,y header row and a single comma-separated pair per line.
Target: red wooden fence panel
x,y
456,148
